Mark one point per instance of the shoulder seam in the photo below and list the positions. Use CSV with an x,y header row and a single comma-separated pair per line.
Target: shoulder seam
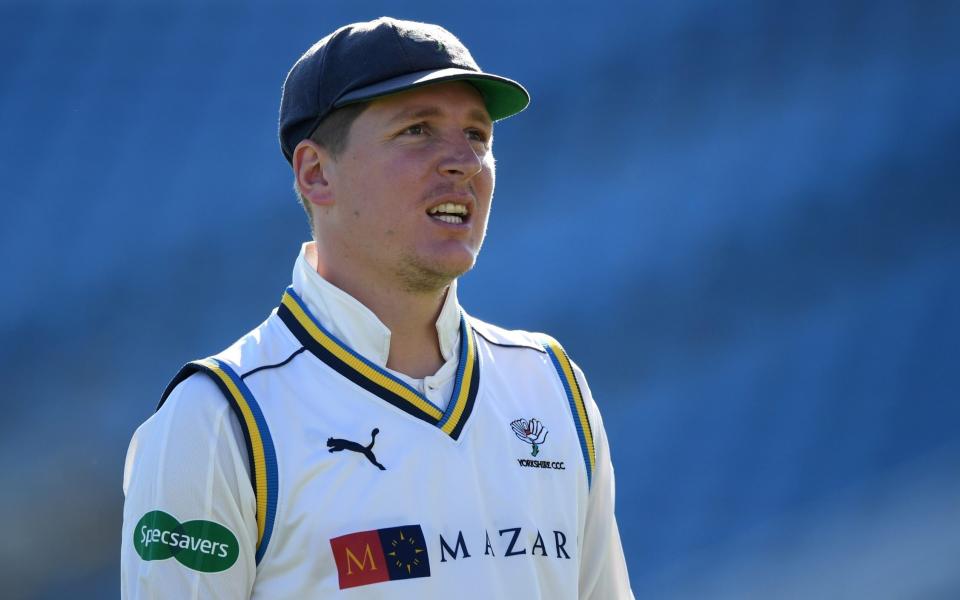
x,y
503,345
276,365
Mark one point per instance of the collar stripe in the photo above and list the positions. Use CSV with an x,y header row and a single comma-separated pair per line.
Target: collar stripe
x,y
464,392
470,398
341,358
351,365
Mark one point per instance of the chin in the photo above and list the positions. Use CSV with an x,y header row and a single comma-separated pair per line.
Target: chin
x,y
435,275
454,267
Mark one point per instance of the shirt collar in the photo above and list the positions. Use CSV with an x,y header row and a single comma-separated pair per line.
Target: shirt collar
x,y
355,324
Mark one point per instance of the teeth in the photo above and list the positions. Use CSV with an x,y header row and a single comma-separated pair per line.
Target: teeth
x,y
449,208
449,218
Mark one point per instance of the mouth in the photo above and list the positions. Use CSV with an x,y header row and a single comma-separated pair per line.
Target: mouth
x,y
453,213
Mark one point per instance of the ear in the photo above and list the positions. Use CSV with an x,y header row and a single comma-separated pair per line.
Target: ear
x,y
311,164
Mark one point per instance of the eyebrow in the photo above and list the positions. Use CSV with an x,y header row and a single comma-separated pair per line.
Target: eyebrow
x,y
432,111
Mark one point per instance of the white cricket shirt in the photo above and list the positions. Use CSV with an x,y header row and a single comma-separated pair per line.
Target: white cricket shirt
x,y
295,465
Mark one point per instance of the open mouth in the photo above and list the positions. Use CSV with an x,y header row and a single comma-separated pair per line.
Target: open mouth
x,y
450,212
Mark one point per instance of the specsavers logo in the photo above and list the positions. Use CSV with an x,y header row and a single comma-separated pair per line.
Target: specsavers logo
x,y
200,545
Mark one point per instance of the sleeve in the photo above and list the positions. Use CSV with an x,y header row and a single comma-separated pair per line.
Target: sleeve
x,y
603,569
189,514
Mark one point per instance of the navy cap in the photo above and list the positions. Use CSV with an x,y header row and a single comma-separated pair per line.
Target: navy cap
x,y
363,61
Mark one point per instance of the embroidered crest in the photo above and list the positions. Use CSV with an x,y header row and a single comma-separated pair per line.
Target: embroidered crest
x,y
532,432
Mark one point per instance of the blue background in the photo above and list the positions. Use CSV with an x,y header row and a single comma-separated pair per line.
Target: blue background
x,y
741,218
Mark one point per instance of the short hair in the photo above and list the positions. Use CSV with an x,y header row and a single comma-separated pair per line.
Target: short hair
x,y
332,133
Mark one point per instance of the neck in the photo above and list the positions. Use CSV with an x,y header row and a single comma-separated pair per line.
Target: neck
x,y
412,321
410,316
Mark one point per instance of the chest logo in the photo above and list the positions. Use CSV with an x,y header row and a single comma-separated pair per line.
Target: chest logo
x,y
532,432
337,444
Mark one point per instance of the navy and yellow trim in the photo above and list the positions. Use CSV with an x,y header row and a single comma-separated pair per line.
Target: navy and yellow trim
x,y
465,385
256,434
376,380
578,408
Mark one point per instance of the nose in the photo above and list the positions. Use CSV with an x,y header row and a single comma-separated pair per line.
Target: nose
x,y
460,160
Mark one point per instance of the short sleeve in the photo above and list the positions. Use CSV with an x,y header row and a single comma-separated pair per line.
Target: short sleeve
x,y
189,514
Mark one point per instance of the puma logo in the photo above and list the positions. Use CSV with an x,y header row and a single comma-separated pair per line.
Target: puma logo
x,y
336,445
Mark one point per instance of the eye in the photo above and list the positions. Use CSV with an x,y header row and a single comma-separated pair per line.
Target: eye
x,y
416,129
478,135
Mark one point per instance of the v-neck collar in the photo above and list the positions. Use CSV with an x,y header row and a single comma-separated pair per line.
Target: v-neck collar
x,y
376,380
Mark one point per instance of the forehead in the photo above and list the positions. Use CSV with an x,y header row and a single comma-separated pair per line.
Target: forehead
x,y
454,99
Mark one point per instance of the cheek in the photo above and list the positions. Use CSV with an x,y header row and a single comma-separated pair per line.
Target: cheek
x,y
485,182
490,165
374,189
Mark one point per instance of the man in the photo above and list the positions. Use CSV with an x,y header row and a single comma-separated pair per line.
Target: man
x,y
370,439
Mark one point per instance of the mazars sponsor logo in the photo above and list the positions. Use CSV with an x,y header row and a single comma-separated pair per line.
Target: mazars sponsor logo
x,y
507,542
392,553
200,545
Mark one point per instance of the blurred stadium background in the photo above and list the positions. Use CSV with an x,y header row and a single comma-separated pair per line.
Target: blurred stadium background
x,y
740,217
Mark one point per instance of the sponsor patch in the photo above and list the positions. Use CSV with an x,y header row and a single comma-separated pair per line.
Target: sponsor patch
x,y
379,555
200,545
